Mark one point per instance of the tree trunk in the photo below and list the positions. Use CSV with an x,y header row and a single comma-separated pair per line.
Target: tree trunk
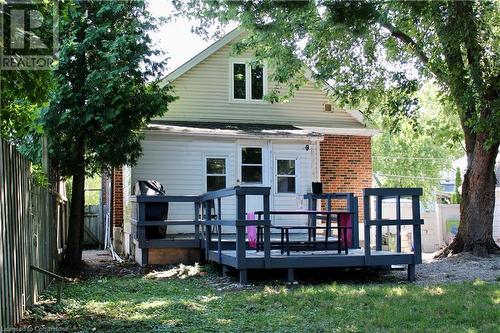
x,y
76,218
475,232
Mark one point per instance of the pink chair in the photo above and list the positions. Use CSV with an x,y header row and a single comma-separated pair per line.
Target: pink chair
x,y
345,221
252,232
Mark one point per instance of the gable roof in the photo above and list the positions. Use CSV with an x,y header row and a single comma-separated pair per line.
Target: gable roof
x,y
217,45
226,39
203,55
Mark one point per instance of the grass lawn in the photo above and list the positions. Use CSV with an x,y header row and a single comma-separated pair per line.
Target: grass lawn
x,y
200,304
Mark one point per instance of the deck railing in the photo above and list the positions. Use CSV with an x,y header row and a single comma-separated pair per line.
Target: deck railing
x,y
351,205
139,222
203,217
209,219
240,223
378,222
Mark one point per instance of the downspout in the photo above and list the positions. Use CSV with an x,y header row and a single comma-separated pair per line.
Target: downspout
x,y
111,203
318,160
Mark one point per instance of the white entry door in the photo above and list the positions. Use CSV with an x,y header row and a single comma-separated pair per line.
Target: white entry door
x,y
253,170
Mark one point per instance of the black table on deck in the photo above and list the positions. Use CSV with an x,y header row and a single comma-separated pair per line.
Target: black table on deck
x,y
285,230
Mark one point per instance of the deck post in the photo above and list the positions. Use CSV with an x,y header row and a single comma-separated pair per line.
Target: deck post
x,y
267,233
243,277
208,239
141,233
411,273
378,234
240,232
314,217
197,222
225,271
355,223
290,276
398,227
144,257
417,237
219,242
367,218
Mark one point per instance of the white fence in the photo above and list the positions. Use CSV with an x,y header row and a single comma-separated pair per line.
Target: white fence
x,y
440,225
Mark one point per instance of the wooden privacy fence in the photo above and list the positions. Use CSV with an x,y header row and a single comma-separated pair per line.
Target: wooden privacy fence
x,y
93,230
33,225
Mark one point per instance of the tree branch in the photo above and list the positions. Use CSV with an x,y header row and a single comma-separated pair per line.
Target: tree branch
x,y
406,39
400,35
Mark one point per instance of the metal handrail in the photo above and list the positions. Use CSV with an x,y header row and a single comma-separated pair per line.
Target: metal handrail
x,y
61,279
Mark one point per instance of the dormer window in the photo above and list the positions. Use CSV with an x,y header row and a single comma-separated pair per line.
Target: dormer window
x,y
247,81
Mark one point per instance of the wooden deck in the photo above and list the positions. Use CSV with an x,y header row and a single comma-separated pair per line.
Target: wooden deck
x,y
308,259
232,250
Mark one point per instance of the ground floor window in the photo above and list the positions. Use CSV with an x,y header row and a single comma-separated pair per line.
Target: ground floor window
x,y
216,173
251,165
286,176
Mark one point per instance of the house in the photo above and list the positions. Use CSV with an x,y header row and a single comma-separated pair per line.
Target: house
x,y
221,133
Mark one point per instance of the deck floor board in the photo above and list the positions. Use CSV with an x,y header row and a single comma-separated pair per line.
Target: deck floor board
x,y
277,253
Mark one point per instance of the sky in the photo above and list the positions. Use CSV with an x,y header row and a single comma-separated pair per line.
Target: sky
x,y
175,38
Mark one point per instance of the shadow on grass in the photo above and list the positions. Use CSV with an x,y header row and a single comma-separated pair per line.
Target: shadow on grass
x,y
197,304
321,275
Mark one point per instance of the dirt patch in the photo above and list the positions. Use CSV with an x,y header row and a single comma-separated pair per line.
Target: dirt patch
x,y
99,263
455,268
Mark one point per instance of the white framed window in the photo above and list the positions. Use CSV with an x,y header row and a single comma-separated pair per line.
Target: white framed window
x,y
248,81
216,173
251,165
286,175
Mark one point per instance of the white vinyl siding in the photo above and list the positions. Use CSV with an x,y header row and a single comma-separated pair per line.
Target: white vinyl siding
x,y
205,94
304,175
179,164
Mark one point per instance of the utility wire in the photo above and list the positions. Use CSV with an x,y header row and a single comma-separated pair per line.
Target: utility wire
x,y
417,177
407,158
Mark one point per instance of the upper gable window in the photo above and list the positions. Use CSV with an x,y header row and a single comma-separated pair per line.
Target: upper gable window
x,y
248,82
239,81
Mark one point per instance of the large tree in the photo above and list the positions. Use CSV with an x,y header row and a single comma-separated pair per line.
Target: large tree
x,y
106,92
376,55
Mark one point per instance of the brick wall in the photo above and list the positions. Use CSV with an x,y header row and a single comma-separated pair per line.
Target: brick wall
x,y
346,165
105,179
117,190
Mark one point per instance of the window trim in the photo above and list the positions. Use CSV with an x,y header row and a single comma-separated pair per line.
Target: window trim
x,y
296,176
206,174
241,165
248,81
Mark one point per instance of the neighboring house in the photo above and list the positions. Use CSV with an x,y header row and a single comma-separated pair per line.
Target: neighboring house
x,y
221,133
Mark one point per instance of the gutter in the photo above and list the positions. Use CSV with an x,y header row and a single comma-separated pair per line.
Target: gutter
x,y
229,134
343,131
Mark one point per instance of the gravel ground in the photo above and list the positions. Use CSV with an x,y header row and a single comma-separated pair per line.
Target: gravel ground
x,y
456,268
